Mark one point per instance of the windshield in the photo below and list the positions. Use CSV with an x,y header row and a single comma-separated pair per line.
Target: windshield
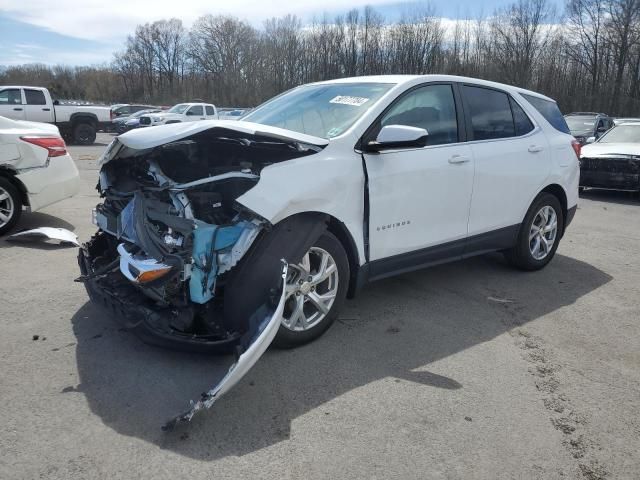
x,y
180,108
622,134
580,124
323,111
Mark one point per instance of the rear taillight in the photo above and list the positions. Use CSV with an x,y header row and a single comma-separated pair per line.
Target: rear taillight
x,y
54,145
112,115
576,147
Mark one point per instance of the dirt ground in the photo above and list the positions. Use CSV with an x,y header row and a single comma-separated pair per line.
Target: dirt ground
x,y
468,370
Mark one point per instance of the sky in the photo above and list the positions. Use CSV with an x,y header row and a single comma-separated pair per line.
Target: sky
x,y
87,32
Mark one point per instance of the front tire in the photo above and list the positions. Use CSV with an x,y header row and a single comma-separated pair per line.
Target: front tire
x,y
10,206
316,289
539,234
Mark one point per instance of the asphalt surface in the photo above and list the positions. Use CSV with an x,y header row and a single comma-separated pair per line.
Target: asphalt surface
x,y
468,370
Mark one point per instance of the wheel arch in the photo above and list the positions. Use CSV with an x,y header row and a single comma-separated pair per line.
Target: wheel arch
x,y
82,117
10,175
344,236
557,191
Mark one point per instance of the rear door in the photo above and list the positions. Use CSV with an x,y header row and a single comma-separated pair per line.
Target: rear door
x,y
511,157
36,108
12,104
419,197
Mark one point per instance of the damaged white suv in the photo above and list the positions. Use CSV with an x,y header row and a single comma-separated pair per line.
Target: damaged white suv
x,y
228,235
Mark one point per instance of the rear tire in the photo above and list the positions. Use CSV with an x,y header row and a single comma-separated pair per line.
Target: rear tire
x,y
84,134
309,285
10,206
539,234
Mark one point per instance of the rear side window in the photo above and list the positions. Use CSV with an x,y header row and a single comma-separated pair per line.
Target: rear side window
x,y
490,112
35,97
521,121
550,111
210,110
10,96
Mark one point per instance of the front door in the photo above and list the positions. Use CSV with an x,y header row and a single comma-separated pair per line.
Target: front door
x,y
196,112
419,197
36,107
11,105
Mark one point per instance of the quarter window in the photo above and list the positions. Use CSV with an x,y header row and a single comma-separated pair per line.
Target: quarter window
x,y
521,121
550,111
10,96
431,107
210,110
490,112
35,97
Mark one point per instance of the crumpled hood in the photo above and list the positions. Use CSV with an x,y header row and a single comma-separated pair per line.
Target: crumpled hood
x,y
609,149
162,134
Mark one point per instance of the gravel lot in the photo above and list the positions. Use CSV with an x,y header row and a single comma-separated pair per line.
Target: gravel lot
x,y
468,370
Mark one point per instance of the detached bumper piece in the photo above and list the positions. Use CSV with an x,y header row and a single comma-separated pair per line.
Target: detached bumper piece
x,y
256,346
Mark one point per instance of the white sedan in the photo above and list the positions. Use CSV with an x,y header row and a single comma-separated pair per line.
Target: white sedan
x,y
35,169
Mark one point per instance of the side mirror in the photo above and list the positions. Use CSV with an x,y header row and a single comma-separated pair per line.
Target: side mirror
x,y
56,102
591,139
398,136
190,113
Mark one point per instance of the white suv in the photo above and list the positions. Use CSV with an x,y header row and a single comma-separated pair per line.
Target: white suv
x,y
347,181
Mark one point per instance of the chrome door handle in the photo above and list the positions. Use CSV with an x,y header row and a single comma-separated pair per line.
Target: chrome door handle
x,y
535,148
456,159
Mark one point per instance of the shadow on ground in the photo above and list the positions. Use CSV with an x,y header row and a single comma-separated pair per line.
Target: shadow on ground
x,y
612,196
29,221
395,329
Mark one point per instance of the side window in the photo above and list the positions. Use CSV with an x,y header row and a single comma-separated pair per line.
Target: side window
x,y
210,110
196,110
520,119
490,112
431,107
35,97
10,96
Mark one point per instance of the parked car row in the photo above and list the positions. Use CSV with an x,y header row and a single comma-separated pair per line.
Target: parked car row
x,y
125,123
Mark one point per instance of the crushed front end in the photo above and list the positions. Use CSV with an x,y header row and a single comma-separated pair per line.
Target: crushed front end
x,y
178,260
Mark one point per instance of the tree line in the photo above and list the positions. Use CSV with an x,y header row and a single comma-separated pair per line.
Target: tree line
x,y
587,56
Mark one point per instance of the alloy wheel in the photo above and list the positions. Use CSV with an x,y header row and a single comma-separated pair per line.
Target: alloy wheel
x,y
543,232
6,207
311,290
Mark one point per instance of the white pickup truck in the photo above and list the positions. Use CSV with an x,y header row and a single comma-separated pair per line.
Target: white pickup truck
x,y
182,112
77,124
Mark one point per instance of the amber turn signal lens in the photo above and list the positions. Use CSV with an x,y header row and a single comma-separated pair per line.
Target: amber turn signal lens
x,y
151,275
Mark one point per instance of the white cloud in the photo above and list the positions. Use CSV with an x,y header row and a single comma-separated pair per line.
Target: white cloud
x,y
107,21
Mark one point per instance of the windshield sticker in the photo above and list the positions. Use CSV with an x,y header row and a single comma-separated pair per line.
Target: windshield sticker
x,y
347,100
